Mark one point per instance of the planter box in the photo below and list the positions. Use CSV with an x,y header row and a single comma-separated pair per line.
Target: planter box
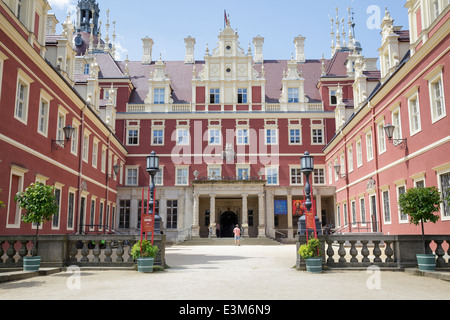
x,y
426,262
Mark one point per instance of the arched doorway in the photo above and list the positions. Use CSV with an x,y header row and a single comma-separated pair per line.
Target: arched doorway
x,y
228,221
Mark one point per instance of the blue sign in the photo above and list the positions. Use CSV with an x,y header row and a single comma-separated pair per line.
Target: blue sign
x,y
280,207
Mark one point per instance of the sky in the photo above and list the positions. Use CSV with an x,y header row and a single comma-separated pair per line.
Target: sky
x,y
279,22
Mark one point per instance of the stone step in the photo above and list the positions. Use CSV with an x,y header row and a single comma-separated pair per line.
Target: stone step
x,y
229,242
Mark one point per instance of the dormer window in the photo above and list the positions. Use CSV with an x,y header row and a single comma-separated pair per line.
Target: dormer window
x,y
158,96
292,95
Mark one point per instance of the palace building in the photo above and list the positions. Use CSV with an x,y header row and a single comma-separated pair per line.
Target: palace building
x,y
229,129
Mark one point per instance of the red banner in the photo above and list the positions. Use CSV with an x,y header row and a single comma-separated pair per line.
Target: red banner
x,y
147,223
310,220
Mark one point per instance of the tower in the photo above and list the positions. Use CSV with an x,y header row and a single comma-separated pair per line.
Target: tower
x,y
88,10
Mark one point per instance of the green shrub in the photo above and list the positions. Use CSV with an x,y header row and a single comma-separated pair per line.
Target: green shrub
x,y
312,249
148,251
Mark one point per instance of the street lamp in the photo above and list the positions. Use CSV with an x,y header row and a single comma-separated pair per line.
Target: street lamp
x,y
68,132
337,169
307,167
152,169
398,143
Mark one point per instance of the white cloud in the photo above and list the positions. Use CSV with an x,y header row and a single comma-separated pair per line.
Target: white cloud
x,y
62,4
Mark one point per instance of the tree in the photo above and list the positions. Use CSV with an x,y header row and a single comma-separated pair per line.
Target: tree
x,y
421,204
40,205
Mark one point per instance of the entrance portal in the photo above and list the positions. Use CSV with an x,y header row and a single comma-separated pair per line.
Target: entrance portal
x,y
228,221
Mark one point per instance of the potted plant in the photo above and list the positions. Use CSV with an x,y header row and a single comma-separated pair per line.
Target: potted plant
x,y
421,204
312,254
40,205
144,252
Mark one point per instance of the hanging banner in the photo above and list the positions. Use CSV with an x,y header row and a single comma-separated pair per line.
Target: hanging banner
x,y
310,220
280,207
147,223
297,207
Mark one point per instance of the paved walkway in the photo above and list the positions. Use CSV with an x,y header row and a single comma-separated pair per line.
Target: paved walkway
x,y
228,272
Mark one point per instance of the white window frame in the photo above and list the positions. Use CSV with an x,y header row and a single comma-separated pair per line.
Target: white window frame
x,y
158,143
350,158
397,123
296,176
271,133
241,137
103,159
159,95
362,214
20,173
243,92
245,167
217,168
293,95
43,118
184,134
95,144
3,58
25,81
76,133
216,133
398,185
58,186
385,190
381,138
86,141
128,170
318,176
159,176
433,78
411,115
441,170
270,171
359,156
215,93
178,177
369,145
74,208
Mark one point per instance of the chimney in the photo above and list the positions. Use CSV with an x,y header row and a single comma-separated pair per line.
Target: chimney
x,y
190,43
51,24
148,45
300,49
258,43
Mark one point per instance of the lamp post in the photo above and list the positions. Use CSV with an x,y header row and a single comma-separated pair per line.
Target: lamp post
x,y
152,169
68,132
307,167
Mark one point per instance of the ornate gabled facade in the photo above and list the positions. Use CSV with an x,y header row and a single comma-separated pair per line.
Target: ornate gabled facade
x,y
229,129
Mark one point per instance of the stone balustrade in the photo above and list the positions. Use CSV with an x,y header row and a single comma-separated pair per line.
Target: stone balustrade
x,y
80,250
385,251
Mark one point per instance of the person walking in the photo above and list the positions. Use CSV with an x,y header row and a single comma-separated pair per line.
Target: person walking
x,y
237,235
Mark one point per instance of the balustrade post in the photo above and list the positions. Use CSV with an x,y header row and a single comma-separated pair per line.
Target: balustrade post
x,y
85,251
365,251
2,252
96,252
376,251
120,252
341,251
330,252
130,257
389,251
108,251
23,250
11,252
440,261
353,251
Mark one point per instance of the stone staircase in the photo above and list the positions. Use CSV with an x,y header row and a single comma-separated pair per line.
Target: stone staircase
x,y
229,242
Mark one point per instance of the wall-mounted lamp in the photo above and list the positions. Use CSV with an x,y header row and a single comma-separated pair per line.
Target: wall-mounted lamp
x,y
398,143
337,169
116,169
59,144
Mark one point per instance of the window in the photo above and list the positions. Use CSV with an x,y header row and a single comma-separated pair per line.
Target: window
x,y
381,138
358,153
317,136
70,210
100,216
414,115
396,121
214,96
92,216
401,190
444,180
182,137
86,147
295,136
353,208
214,136
159,96
344,212
243,173
437,99
86,68
43,117
61,121
214,174
124,214
103,169
22,102
158,137
74,148
350,159
369,146
55,218
362,208
172,214
182,176
338,216
333,97
94,153
242,95
132,176
293,95
242,136
133,137
296,176
159,177
386,207
271,136
272,176
319,176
